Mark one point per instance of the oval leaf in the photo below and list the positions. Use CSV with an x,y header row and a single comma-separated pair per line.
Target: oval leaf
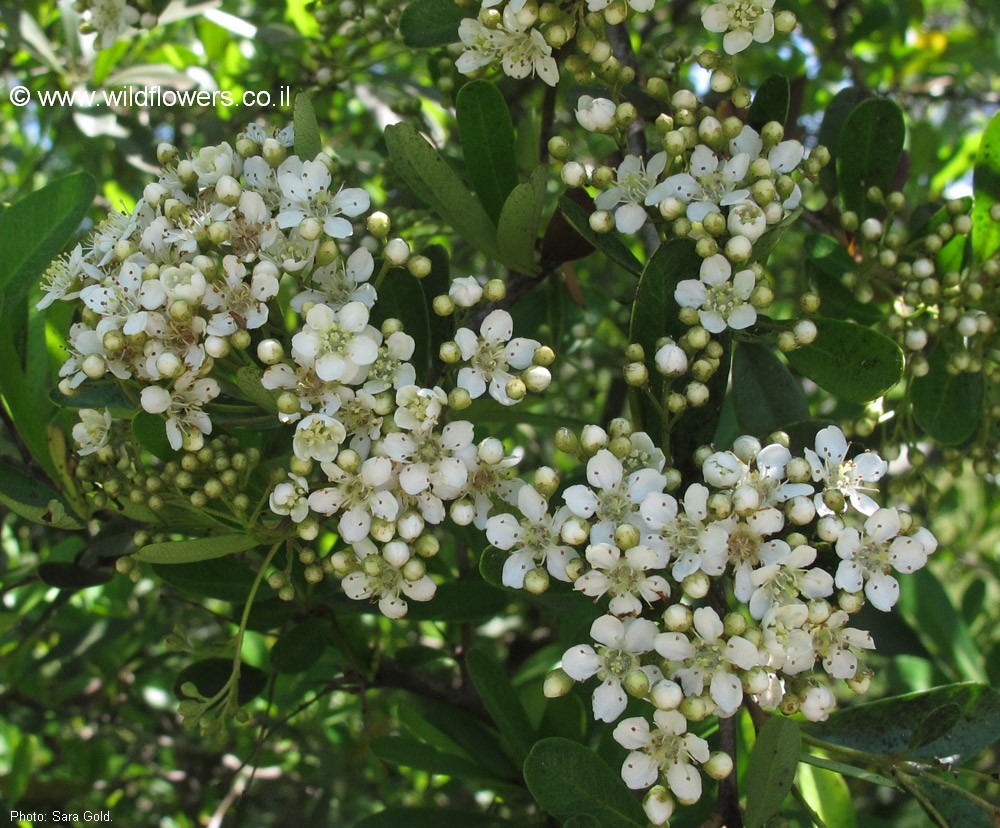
x,y
986,185
33,500
299,648
150,430
400,296
570,781
765,394
868,153
771,769
517,231
770,103
501,701
428,23
307,140
223,578
852,362
189,551
947,406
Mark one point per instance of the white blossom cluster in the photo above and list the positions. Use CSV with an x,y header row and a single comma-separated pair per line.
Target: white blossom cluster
x,y
740,586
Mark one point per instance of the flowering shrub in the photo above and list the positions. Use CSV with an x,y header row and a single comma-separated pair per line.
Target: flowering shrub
x,y
277,374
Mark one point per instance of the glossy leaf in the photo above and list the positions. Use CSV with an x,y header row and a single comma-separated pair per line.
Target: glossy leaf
x,y
868,153
947,406
610,244
770,103
300,647
190,551
766,396
889,726
517,231
308,143
401,297
433,180
830,130
852,362
771,769
150,430
501,701
428,23
570,781
33,500
828,795
72,576
986,185
222,578
486,132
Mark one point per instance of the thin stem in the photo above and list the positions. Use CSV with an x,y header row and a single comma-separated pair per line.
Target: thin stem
x,y
816,818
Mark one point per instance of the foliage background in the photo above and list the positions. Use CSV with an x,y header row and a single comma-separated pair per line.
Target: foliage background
x,y
87,674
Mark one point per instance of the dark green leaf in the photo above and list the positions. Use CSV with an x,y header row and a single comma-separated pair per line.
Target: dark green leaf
x,y
570,781
847,770
501,701
767,397
71,576
830,130
433,180
223,578
486,132
21,767
401,297
299,648
888,726
871,144
610,244
954,810
827,263
248,379
770,103
308,143
190,551
491,566
986,185
401,750
467,600
94,395
476,740
428,23
429,818
33,500
211,674
947,406
517,231
435,283
852,362
34,230
771,769
935,725
150,430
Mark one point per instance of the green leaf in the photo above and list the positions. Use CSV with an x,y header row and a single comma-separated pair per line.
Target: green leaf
x,y
986,186
501,701
770,103
20,768
248,380
888,726
847,770
441,328
486,132
947,406
429,818
429,23
830,130
517,231
308,143
94,395
299,648
433,180
223,578
925,605
570,781
150,431
474,739
200,549
33,500
868,153
955,810
828,795
766,396
491,566
459,601
401,296
850,361
827,263
71,576
211,674
410,753
610,244
34,230
771,769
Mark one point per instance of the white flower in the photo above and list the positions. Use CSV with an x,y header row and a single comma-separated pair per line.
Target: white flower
x,y
783,158
123,300
93,430
695,544
622,642
533,541
465,291
419,409
849,477
341,282
836,644
491,355
311,391
707,658
318,437
524,52
186,422
625,578
817,703
66,276
743,21
336,344
709,186
238,305
671,361
291,498
357,497
379,578
633,181
111,19
612,498
668,750
784,577
595,114
428,460
787,646
724,470
305,194
746,218
390,368
721,303
869,558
